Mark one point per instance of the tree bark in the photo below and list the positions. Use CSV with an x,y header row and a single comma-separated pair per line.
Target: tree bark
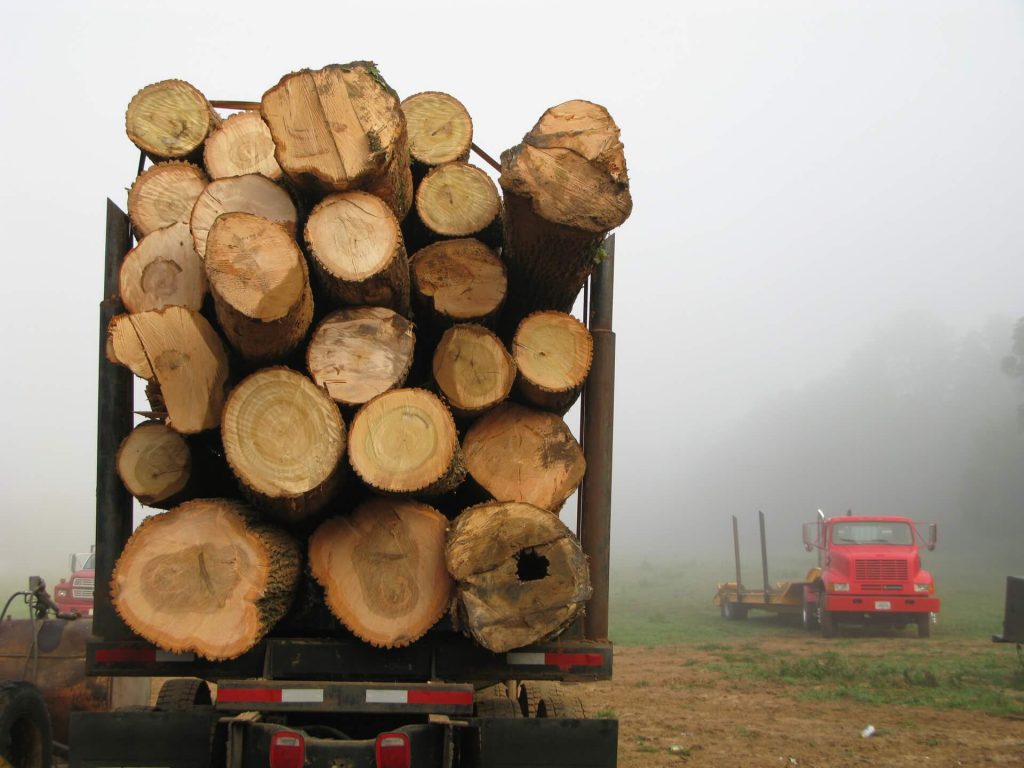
x,y
357,251
240,146
205,577
405,441
337,129
360,352
458,281
285,442
553,352
458,200
164,194
179,348
522,454
520,574
253,194
163,270
472,369
260,286
170,120
440,128
565,188
155,465
383,570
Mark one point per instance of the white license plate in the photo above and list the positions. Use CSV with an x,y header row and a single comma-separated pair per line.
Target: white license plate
x,y
883,605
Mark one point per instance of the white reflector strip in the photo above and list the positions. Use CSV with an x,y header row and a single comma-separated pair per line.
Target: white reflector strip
x,y
302,695
526,659
165,656
377,696
389,742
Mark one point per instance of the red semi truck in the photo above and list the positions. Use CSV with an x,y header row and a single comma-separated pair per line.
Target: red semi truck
x,y
74,594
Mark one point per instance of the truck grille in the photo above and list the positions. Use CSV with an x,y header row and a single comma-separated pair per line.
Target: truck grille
x,y
83,588
881,570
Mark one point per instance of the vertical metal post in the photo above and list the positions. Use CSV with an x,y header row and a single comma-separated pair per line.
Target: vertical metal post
x,y
764,555
599,409
736,553
113,422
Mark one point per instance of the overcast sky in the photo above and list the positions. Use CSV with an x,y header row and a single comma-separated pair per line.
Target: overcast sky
x,y
801,171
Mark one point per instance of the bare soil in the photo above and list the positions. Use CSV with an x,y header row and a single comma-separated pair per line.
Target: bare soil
x,y
673,710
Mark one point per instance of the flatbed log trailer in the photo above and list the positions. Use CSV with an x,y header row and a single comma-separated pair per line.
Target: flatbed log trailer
x,y
317,696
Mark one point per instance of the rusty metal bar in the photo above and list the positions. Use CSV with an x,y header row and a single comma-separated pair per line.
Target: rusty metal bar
x,y
599,407
764,554
113,423
736,553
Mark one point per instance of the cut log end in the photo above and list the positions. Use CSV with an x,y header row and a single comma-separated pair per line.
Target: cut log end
x,y
240,146
154,463
440,128
458,280
164,194
170,119
457,200
163,270
473,369
553,352
251,193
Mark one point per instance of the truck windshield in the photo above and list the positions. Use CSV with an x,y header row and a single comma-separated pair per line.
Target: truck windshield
x,y
85,562
872,533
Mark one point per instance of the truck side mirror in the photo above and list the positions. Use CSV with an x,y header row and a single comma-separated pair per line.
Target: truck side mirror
x,y
933,536
71,564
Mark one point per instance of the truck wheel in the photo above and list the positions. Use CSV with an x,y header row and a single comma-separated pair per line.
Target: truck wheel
x,y
543,699
733,611
827,622
495,702
924,625
25,735
809,614
183,694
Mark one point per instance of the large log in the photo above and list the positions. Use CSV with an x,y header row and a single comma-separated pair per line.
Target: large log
x,y
520,574
205,577
455,281
285,441
164,194
440,129
358,353
472,369
405,441
260,286
553,352
170,120
357,251
251,193
163,270
179,348
241,145
383,569
155,465
459,200
518,453
340,128
565,187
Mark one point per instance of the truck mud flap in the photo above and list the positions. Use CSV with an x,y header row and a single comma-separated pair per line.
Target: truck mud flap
x,y
540,743
1013,613
142,738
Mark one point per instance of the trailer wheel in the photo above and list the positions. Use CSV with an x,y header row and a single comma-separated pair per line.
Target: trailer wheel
x,y
25,735
542,699
183,694
827,622
809,614
733,611
495,702
924,625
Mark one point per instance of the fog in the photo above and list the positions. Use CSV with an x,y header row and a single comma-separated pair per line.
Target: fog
x,y
813,294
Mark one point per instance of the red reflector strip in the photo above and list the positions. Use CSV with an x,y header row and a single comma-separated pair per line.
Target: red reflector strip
x,y
122,655
566,661
247,695
454,698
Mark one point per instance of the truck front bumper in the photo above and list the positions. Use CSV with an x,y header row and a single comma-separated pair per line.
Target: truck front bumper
x,y
881,604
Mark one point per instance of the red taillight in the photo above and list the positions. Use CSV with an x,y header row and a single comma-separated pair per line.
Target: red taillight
x,y
393,750
287,750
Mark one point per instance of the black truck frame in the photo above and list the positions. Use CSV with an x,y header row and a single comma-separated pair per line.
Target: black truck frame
x,y
330,699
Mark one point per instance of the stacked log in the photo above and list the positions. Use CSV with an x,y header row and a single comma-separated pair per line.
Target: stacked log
x,y
350,337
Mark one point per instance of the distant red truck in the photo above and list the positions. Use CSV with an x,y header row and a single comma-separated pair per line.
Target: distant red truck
x,y
74,593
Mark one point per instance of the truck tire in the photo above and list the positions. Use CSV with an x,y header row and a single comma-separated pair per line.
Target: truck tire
x,y
25,734
183,694
809,614
548,699
826,620
495,702
924,625
733,611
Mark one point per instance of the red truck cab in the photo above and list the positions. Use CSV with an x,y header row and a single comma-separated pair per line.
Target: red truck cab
x,y
75,592
871,572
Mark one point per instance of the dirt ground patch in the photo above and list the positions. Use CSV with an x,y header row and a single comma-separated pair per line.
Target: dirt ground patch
x,y
674,710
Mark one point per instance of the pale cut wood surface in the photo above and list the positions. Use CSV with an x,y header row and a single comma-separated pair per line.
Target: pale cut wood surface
x,y
285,441
457,281
164,194
154,463
179,348
358,353
457,200
404,441
170,120
205,577
472,369
521,575
383,569
260,286
440,128
241,145
553,352
251,193
163,270
518,453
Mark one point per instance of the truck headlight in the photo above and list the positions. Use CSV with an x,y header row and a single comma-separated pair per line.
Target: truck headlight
x,y
922,587
840,587
62,593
